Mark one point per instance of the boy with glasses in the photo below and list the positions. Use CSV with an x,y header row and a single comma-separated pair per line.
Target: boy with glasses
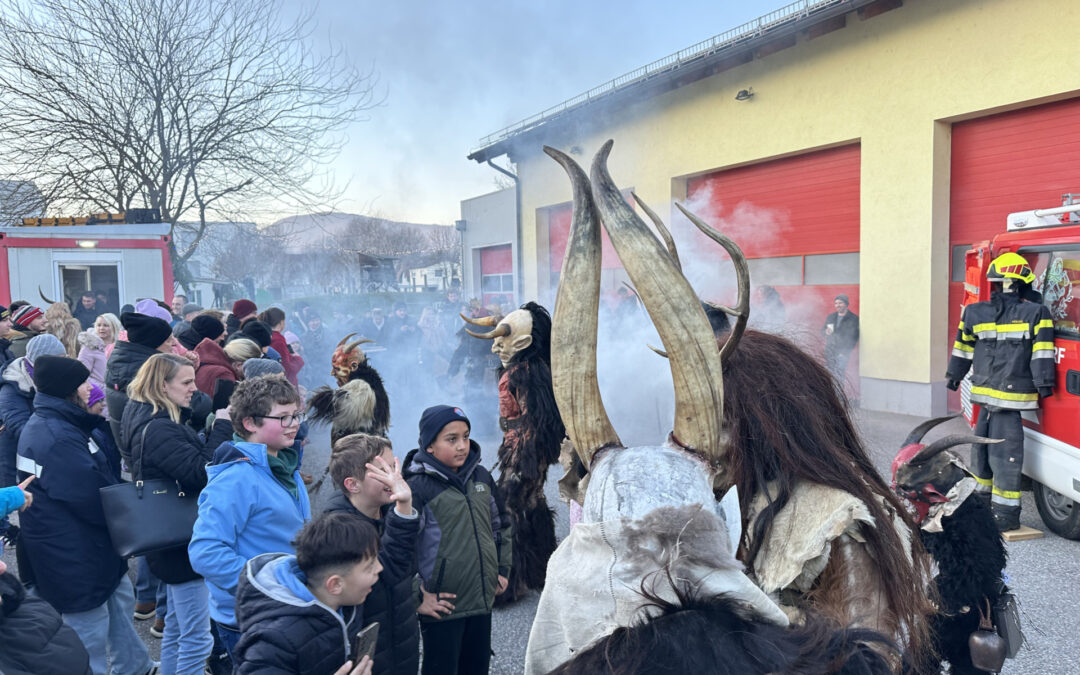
x,y
254,501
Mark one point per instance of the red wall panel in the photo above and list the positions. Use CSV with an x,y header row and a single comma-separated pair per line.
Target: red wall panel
x,y
1014,161
559,218
812,201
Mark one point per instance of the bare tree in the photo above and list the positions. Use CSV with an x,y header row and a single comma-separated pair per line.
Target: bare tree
x,y
198,108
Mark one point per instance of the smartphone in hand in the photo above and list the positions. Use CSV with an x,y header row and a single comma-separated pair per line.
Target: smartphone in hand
x,y
364,644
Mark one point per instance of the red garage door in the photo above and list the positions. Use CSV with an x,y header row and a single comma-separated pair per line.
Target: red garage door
x,y
1015,161
497,274
797,220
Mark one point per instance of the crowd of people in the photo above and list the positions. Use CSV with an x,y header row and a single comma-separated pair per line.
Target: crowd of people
x,y
215,403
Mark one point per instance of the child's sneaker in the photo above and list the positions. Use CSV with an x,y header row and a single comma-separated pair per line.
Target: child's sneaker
x,y
158,629
145,610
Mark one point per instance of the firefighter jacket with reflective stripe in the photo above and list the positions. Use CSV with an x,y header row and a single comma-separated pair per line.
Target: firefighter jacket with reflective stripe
x,y
1009,345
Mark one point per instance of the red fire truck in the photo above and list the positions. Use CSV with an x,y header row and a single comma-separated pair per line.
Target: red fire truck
x,y
1050,241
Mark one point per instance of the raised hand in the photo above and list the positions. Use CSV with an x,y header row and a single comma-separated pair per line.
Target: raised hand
x,y
390,476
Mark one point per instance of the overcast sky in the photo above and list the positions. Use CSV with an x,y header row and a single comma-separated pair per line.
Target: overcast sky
x,y
454,71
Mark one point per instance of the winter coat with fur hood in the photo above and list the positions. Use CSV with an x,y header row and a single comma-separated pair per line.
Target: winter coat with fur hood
x,y
92,355
34,640
214,365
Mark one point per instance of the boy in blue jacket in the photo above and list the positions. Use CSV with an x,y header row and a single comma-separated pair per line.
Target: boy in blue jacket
x,y
254,501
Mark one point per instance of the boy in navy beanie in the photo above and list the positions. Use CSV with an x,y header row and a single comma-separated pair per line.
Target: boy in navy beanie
x,y
463,551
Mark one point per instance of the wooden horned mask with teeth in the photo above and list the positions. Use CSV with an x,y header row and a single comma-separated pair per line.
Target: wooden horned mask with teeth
x,y
511,334
347,357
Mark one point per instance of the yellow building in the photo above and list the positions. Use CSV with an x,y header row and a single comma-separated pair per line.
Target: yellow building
x,y
871,141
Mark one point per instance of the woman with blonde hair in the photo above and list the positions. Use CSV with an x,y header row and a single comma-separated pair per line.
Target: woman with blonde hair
x,y
93,342
156,434
60,322
242,349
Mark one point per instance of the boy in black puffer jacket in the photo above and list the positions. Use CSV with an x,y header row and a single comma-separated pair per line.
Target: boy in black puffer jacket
x,y
34,640
371,488
299,614
465,543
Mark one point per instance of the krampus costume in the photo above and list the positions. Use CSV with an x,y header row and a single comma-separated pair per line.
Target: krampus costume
x,y
532,433
359,405
958,530
1008,343
651,528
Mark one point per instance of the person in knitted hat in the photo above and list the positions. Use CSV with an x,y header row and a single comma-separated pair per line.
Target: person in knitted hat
x,y
28,321
6,356
150,307
95,403
242,311
66,540
146,336
459,501
261,367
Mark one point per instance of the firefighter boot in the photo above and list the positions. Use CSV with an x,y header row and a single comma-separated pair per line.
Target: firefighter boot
x,y
1006,517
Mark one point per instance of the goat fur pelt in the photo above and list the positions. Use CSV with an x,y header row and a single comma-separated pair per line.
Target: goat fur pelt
x,y
722,636
358,406
970,556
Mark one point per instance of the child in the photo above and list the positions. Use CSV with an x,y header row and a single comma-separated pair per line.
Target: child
x,y
254,501
464,543
371,488
298,613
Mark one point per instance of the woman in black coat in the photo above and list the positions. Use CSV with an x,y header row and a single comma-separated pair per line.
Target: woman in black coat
x,y
155,434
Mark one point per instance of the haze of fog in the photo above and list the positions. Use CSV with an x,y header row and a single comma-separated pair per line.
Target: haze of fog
x,y
453,72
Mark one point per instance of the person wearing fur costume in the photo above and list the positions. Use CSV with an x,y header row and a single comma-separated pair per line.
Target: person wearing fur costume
x,y
532,434
359,405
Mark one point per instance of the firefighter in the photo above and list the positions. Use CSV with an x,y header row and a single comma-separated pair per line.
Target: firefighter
x,y
1008,343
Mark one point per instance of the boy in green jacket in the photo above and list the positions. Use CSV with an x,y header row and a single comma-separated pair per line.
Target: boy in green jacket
x,y
464,547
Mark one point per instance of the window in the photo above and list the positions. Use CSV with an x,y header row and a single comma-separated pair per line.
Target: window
x,y
497,283
832,269
1057,274
785,271
959,262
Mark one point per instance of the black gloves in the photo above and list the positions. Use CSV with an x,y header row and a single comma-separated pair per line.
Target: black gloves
x,y
953,385
1045,392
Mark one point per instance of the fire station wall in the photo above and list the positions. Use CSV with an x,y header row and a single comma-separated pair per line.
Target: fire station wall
x,y
490,220
894,84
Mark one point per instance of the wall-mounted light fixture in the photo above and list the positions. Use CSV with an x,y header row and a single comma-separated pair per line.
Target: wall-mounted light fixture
x,y
86,243
745,94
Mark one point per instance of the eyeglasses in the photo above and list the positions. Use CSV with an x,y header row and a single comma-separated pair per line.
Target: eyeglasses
x,y
285,420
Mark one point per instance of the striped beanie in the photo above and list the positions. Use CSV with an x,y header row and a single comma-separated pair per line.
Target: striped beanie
x,y
26,315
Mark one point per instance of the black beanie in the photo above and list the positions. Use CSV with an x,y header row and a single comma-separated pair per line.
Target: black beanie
x,y
257,331
148,331
435,418
207,326
59,376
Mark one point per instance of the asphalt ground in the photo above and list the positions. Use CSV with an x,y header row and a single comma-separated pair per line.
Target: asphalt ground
x,y
1044,573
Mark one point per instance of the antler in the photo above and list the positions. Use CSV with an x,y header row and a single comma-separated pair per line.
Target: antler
x,y
574,325
918,432
502,330
665,233
942,444
696,369
742,275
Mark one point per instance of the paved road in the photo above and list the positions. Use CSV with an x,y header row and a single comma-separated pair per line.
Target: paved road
x,y
1044,572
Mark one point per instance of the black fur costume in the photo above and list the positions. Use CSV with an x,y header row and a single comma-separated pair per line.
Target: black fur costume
x,y
532,434
360,403
970,555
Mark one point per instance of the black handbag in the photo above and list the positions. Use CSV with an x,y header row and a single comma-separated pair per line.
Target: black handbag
x,y
147,516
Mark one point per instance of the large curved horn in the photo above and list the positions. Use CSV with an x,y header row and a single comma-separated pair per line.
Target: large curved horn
x,y
356,343
676,313
502,330
344,340
487,321
665,233
947,442
742,274
574,325
918,432
42,294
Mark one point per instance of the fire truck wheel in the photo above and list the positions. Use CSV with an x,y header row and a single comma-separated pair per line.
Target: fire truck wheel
x,y
1061,514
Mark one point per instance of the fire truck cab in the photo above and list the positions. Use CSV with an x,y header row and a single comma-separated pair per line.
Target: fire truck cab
x,y
1050,241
